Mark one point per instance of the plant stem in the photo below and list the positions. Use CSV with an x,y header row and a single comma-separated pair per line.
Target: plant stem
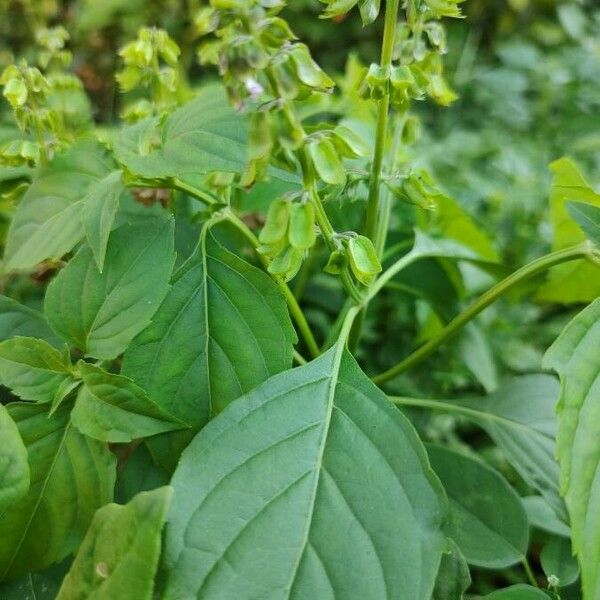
x,y
385,200
529,572
387,49
294,307
584,250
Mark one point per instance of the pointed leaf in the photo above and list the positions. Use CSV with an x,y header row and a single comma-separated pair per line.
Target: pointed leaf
x,y
204,135
98,214
17,319
311,486
575,357
487,519
32,369
100,313
119,555
47,222
520,418
71,476
222,329
14,468
112,408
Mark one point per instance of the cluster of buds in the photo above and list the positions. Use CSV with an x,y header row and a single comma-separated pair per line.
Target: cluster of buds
x,y
420,44
26,90
263,65
52,54
369,9
47,101
289,231
150,63
418,188
357,253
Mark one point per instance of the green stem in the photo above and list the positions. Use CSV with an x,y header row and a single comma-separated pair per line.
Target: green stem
x,y
294,307
529,572
385,201
325,224
387,49
194,192
584,250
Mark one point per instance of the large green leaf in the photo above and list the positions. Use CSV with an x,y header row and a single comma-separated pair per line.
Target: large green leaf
x,y
32,369
71,476
14,468
575,357
100,313
119,555
204,135
47,223
112,408
222,329
310,486
487,519
17,319
98,214
576,281
520,418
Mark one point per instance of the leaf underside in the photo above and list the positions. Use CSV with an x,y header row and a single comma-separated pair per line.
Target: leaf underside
x,y
311,486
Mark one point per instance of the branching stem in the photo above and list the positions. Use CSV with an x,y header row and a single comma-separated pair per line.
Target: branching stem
x,y
581,251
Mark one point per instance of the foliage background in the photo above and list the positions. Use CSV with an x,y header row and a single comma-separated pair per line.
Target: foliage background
x,y
528,76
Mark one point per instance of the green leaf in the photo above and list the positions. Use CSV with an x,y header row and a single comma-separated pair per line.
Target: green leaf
x,y
310,486
139,474
222,329
204,135
576,281
98,214
42,585
558,561
100,313
47,223
588,218
14,468
518,592
71,476
119,555
541,515
32,369
575,357
453,578
17,319
450,220
487,519
112,408
520,419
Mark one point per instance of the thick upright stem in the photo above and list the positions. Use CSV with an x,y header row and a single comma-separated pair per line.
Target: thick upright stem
x,y
387,49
